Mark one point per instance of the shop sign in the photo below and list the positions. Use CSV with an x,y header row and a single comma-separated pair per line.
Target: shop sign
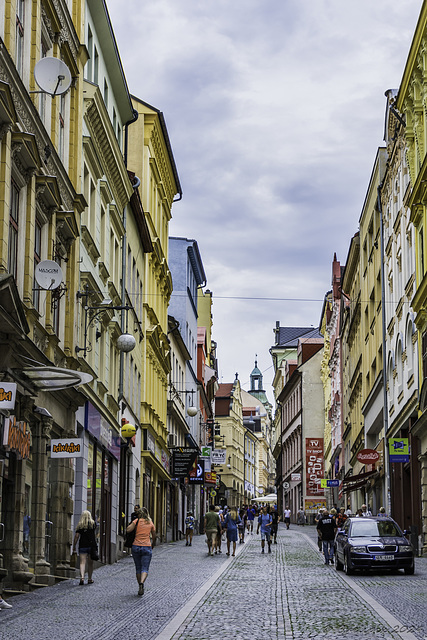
x,y
66,448
17,437
151,443
313,505
314,466
398,449
197,473
368,456
7,395
325,483
210,477
99,427
219,456
295,477
206,452
182,461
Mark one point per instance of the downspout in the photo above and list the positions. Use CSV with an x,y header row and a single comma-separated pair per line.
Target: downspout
x,y
383,318
124,244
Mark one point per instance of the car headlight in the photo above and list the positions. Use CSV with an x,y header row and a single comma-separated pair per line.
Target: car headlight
x,y
405,547
358,549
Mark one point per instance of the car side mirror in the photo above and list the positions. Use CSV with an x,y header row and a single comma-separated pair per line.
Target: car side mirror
x,y
340,532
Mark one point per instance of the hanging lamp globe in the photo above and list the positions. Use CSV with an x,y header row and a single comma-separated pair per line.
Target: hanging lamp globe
x,y
126,342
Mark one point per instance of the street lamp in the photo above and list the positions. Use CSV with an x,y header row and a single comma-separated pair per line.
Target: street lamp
x,y
125,342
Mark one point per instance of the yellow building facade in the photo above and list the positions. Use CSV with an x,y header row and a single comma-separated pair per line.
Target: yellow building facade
x,y
151,158
411,103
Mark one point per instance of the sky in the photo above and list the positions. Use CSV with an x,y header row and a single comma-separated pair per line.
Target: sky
x,y
275,110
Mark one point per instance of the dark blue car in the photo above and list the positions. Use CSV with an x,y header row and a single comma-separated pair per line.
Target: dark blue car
x,y
372,543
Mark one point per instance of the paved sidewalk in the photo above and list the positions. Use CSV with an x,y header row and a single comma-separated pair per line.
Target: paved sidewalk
x,y
288,594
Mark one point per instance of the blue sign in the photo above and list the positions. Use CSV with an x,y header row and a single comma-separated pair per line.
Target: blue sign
x,y
333,483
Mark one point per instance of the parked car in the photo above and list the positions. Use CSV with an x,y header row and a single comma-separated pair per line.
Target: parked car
x,y
372,543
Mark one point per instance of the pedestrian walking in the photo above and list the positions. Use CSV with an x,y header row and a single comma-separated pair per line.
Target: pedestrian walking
x,y
4,604
382,513
366,512
189,529
319,537
327,528
85,536
287,517
250,520
242,524
142,547
264,523
301,517
217,543
230,523
275,523
341,518
211,522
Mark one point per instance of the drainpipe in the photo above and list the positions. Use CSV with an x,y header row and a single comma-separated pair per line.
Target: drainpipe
x,y
124,243
383,318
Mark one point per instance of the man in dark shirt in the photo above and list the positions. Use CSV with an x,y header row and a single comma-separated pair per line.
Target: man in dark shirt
x,y
327,528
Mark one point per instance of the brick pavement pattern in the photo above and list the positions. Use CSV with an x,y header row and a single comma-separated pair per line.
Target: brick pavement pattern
x,y
288,594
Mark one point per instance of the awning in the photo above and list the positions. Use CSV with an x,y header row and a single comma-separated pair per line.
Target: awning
x,y
359,476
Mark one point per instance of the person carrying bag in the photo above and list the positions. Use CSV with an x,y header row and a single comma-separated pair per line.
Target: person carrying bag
x,y
85,536
142,545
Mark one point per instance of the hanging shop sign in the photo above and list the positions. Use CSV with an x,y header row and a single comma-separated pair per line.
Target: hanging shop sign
x,y
17,437
210,477
368,456
314,466
295,477
7,395
182,460
206,452
219,456
66,448
398,449
197,473
325,483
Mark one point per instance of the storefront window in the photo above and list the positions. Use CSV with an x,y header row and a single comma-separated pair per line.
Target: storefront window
x,y
98,492
90,478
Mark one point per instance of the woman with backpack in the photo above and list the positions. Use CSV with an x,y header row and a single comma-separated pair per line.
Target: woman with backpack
x,y
142,546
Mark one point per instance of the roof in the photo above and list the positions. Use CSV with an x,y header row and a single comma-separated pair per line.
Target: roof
x,y
224,390
289,336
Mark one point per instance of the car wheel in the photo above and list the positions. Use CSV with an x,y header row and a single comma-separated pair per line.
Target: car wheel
x,y
338,563
347,568
409,571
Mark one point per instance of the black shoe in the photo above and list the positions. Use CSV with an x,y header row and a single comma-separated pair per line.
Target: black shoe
x,y
186,544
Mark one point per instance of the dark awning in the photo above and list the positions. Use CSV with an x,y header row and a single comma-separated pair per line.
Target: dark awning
x,y
359,476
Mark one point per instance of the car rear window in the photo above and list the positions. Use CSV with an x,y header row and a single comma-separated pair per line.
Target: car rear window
x,y
373,528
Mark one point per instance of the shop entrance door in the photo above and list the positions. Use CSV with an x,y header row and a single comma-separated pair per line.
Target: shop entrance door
x,y
105,537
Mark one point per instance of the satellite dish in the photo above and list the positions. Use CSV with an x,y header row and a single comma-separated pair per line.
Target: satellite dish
x,y
53,76
48,274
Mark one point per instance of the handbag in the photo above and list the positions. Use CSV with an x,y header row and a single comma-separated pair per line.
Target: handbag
x,y
94,552
73,560
130,536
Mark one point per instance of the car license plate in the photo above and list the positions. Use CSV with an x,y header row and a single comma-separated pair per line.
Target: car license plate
x,y
383,557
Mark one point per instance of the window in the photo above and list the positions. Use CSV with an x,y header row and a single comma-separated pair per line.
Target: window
x,y
13,231
95,66
37,258
61,132
89,67
106,94
19,36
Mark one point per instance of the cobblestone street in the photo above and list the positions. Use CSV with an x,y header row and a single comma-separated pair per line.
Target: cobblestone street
x,y
288,594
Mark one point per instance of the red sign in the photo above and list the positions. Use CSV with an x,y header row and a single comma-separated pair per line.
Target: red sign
x,y
314,466
368,456
210,477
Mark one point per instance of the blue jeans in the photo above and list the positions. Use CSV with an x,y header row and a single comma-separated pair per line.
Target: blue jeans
x,y
328,550
142,558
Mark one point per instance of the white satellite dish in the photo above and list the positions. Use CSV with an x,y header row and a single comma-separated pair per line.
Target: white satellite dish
x,y
52,75
48,274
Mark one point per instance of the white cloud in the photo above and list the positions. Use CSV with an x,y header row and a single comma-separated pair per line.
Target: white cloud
x,y
275,111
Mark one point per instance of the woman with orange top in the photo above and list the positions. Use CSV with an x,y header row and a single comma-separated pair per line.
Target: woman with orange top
x,y
145,540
